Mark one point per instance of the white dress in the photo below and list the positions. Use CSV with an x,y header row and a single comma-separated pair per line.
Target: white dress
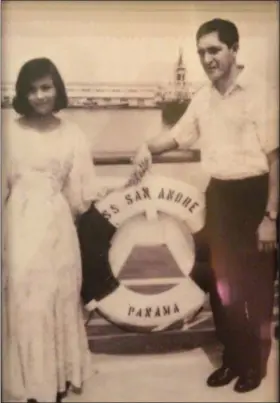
x,y
50,178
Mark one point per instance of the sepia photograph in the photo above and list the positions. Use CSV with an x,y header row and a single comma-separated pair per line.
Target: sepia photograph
x,y
140,201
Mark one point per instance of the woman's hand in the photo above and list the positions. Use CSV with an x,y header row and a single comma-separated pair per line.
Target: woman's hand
x,y
267,235
103,193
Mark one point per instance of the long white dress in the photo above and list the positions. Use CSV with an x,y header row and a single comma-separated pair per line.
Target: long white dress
x,y
50,178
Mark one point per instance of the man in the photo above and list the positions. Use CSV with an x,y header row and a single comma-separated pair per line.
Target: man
x,y
236,120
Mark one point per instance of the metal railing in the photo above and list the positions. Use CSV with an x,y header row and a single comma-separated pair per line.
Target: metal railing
x,y
124,158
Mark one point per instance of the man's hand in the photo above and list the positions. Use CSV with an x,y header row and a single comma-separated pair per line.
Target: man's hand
x,y
143,157
142,162
267,235
138,173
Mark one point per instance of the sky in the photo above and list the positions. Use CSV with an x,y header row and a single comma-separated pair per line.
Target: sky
x,y
99,41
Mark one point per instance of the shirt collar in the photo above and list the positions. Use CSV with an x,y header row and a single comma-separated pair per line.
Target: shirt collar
x,y
241,82
243,78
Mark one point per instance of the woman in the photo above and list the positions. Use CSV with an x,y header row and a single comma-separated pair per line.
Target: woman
x,y
50,179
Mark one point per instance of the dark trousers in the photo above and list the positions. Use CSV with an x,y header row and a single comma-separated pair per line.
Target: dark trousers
x,y
242,292
95,234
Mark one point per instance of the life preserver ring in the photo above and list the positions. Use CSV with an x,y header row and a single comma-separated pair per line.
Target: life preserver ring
x,y
160,210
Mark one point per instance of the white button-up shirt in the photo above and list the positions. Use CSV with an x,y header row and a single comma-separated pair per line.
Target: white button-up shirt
x,y
236,130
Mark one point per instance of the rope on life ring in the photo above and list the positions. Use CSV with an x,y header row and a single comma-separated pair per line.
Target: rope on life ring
x,y
159,210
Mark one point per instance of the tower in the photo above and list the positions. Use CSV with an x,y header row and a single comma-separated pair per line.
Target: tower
x,y
180,69
180,77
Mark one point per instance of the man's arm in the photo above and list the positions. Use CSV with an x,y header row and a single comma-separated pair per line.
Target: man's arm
x,y
182,135
267,230
267,119
162,143
267,125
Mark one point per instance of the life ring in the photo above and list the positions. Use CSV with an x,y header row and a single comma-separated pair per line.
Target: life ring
x,y
159,210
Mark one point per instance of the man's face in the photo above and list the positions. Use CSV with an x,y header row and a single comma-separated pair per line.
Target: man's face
x,y
215,56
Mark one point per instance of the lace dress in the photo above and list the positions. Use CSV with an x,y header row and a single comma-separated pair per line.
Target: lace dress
x,y
49,178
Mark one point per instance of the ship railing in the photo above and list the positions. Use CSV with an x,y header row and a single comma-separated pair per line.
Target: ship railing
x,y
125,158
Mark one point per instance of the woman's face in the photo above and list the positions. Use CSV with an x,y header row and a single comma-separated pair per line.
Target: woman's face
x,y
42,96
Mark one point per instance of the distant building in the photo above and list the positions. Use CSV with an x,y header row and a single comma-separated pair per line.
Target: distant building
x,y
120,95
112,94
100,94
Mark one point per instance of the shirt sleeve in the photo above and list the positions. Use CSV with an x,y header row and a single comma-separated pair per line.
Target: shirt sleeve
x,y
186,131
266,118
82,185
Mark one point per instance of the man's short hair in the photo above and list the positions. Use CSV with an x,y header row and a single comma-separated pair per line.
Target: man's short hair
x,y
226,30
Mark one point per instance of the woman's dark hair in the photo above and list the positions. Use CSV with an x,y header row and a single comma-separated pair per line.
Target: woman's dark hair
x,y
227,31
31,71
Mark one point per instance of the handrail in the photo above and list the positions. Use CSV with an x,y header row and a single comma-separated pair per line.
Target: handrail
x,y
124,158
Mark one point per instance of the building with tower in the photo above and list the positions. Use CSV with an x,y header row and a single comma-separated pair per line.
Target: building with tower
x,y
177,89
120,95
176,96
181,90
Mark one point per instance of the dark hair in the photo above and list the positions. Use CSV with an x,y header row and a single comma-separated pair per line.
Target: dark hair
x,y
227,31
31,71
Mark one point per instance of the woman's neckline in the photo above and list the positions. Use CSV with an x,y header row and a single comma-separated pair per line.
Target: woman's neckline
x,y
49,125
